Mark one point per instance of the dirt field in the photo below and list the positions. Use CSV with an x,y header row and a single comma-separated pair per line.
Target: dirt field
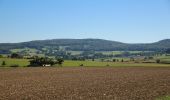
x,y
84,83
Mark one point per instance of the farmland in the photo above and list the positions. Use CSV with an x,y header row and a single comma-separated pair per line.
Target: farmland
x,y
84,75
85,50
87,63
93,83
20,62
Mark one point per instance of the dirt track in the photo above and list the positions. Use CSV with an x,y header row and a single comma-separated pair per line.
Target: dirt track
x,y
84,83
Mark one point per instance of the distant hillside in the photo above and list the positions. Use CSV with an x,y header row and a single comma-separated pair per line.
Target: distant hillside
x,y
85,45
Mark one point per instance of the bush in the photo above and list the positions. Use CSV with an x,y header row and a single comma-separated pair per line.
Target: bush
x,y
107,65
3,63
114,60
60,61
158,61
1,56
81,65
15,55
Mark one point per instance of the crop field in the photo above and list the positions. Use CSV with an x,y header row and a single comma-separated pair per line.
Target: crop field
x,y
85,83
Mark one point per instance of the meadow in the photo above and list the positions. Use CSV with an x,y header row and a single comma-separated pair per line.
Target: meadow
x,y
10,62
108,52
87,63
111,64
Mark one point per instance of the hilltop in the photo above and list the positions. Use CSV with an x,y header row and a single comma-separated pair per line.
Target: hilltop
x,y
86,45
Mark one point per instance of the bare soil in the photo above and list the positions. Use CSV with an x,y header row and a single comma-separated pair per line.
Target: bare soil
x,y
84,83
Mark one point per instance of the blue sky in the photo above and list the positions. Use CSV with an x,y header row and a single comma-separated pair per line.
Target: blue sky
x,y
130,21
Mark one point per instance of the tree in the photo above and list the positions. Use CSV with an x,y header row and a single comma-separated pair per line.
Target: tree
x,y
15,55
114,60
1,56
117,60
60,61
36,61
102,59
3,63
158,61
93,59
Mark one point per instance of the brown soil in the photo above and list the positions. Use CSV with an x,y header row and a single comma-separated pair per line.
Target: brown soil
x,y
84,83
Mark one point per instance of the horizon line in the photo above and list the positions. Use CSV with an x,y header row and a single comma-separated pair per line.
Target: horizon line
x,y
80,39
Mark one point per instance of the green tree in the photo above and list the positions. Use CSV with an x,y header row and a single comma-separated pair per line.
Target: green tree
x,y
36,61
158,61
93,59
15,55
1,56
114,60
60,61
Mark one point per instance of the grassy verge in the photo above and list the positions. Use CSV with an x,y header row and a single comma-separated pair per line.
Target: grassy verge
x,y
111,64
164,98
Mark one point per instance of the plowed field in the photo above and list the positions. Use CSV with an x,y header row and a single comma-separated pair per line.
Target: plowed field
x,y
84,83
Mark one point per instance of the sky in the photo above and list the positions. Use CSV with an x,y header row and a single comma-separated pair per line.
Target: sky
x,y
129,21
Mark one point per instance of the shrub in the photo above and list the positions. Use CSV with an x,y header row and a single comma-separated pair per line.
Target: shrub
x,y
1,56
114,60
81,65
107,65
158,61
3,63
15,55
60,61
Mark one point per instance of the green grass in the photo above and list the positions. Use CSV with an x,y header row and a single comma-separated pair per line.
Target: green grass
x,y
75,52
9,62
69,63
110,52
119,52
28,50
164,98
112,64
107,52
164,59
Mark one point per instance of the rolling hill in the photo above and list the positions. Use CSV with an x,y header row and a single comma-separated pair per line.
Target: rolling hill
x,y
85,45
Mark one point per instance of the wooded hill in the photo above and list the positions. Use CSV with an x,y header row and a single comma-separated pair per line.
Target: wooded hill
x,y
86,45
